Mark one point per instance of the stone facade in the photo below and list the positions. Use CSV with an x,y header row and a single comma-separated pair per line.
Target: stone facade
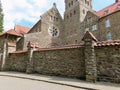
x,y
65,47
108,62
67,62
91,61
104,24
19,64
53,30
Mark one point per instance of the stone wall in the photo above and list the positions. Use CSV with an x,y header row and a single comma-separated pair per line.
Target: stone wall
x,y
68,62
108,63
17,62
63,62
93,63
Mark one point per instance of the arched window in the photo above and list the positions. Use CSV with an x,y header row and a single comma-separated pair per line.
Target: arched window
x,y
109,36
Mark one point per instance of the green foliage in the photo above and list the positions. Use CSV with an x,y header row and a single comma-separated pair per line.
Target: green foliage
x,y
1,18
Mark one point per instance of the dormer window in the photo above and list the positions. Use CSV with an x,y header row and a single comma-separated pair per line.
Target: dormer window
x,y
118,6
106,11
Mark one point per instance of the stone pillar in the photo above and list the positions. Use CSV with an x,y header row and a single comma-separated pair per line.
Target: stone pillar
x,y
30,61
90,59
4,55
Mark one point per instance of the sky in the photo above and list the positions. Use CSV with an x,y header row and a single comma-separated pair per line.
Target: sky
x,y
27,12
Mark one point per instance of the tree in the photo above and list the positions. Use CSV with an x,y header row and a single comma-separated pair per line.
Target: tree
x,y
1,17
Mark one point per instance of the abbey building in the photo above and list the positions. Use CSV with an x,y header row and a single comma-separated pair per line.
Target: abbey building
x,y
85,44
53,30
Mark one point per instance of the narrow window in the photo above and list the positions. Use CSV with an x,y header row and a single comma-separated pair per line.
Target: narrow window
x,y
109,36
85,1
94,27
83,11
75,41
67,17
70,14
71,2
86,29
107,23
51,18
74,12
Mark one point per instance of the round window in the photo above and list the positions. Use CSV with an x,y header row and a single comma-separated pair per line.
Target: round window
x,y
53,31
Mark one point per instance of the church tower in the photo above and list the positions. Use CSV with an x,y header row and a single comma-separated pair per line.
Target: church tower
x,y
75,12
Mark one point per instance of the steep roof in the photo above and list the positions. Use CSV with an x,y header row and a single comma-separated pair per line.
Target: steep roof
x,y
89,35
21,29
109,10
11,32
18,31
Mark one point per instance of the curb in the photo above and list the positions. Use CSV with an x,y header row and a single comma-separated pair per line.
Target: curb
x,y
51,82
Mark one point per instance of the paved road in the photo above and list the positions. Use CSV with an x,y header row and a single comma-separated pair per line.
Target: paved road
x,y
10,83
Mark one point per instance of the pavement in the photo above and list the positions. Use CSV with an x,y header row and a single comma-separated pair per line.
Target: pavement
x,y
64,81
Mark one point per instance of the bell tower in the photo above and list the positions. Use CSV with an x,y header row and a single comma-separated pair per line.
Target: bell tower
x,y
75,12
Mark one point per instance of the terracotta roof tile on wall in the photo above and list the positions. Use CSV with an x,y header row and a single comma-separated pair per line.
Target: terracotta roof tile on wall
x,y
15,52
109,43
11,32
60,48
108,10
21,29
11,44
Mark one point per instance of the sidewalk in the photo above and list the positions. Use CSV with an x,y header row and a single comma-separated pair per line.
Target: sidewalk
x,y
64,81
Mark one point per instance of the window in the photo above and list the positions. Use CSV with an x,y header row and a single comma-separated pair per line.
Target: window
x,y
89,19
76,41
70,14
71,2
67,17
74,12
83,11
119,6
106,11
88,3
107,23
94,27
53,18
53,31
85,1
86,29
109,36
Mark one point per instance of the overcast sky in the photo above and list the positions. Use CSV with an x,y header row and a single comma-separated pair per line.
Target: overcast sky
x,y
27,12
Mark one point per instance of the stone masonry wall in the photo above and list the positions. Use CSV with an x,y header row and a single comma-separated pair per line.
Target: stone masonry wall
x,y
108,63
17,62
67,62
